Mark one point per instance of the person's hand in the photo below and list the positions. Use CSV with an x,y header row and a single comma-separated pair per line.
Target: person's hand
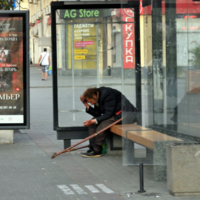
x,y
89,122
84,101
82,98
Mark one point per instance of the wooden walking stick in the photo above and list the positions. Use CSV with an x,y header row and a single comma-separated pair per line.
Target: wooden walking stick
x,y
74,149
87,138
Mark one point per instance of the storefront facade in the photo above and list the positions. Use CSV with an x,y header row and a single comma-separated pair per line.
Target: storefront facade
x,y
40,28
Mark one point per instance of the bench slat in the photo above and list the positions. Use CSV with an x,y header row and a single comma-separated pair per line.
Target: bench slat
x,y
121,129
141,135
146,138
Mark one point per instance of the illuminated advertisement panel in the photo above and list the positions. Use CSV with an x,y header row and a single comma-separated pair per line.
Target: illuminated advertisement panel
x,y
84,37
129,38
14,87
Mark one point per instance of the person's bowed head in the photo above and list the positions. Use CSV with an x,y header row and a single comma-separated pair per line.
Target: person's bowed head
x,y
85,101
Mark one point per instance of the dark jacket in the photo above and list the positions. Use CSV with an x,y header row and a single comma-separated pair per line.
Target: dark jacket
x,y
110,102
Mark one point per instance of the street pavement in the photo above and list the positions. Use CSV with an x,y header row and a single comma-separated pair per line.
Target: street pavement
x,y
28,173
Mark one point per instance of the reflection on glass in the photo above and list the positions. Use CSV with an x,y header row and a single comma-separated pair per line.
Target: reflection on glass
x,y
91,53
170,68
169,31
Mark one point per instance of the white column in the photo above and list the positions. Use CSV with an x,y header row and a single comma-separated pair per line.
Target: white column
x,y
6,136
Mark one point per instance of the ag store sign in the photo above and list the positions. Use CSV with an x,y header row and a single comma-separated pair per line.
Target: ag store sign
x,y
81,13
128,38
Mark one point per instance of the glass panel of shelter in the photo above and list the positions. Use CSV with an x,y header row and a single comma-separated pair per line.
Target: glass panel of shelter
x,y
175,79
132,153
159,84
170,77
96,50
89,54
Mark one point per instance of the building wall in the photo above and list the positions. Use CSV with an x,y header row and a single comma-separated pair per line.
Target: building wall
x,y
24,5
39,14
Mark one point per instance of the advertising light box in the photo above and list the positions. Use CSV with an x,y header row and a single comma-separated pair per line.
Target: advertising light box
x,y
14,70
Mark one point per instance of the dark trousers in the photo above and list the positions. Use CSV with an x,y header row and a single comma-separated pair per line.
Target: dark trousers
x,y
97,141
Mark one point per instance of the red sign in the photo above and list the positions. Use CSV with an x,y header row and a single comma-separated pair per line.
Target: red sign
x,y
182,7
141,8
187,7
49,20
83,43
129,39
129,12
32,24
145,10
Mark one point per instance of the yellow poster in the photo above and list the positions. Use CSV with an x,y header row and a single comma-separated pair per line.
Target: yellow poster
x,y
78,51
79,57
84,41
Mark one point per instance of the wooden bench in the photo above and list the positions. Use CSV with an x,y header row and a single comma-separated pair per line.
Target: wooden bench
x,y
154,141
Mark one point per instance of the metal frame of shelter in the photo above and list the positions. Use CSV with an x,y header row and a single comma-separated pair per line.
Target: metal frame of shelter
x,y
68,133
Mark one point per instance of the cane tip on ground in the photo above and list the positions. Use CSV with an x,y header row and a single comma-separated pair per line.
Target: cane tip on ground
x,y
53,156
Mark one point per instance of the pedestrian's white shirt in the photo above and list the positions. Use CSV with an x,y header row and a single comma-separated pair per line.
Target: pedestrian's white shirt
x,y
44,59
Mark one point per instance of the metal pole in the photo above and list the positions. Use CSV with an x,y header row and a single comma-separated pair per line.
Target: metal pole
x,y
97,50
141,179
122,60
72,50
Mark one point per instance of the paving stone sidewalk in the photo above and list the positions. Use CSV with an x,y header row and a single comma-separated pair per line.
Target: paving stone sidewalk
x,y
28,172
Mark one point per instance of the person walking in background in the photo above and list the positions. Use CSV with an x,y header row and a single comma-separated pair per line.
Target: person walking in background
x,y
44,61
